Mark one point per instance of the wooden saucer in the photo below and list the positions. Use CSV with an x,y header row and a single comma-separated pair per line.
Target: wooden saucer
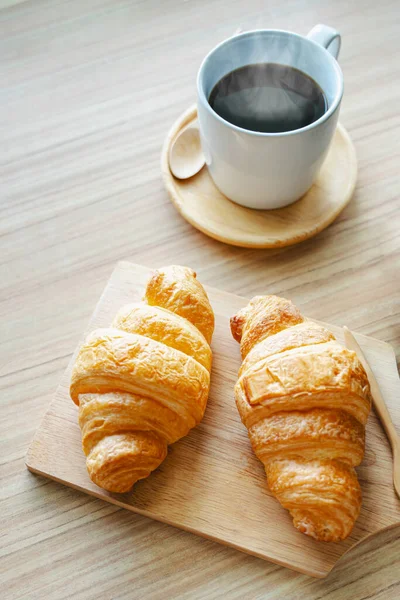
x,y
202,204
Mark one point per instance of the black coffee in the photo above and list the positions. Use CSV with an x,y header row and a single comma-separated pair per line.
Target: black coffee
x,y
268,97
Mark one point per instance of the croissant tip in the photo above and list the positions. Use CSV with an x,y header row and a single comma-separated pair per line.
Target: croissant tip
x,y
236,323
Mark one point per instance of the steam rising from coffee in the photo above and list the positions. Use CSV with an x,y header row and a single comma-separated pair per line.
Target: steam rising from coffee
x,y
268,97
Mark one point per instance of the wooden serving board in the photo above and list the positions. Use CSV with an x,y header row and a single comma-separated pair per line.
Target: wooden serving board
x,y
211,484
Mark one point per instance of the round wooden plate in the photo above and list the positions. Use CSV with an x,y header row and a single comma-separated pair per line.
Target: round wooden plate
x,y
202,204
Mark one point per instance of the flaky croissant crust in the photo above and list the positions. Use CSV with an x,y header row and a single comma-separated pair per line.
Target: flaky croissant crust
x,y
143,383
305,401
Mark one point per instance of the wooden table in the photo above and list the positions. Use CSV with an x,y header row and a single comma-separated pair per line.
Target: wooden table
x,y
88,92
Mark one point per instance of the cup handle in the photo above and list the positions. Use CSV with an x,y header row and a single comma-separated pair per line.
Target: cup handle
x,y
327,37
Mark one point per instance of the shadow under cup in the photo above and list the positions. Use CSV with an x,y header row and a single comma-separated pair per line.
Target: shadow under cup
x,y
267,170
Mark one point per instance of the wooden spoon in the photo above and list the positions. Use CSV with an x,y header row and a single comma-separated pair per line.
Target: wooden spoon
x,y
380,408
186,157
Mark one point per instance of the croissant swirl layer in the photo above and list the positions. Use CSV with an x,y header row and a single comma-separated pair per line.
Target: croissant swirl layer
x,y
323,375
177,290
143,383
317,433
165,327
113,360
322,496
305,401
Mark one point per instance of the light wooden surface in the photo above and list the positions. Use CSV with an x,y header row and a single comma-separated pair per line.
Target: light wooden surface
x,y
211,483
201,203
89,90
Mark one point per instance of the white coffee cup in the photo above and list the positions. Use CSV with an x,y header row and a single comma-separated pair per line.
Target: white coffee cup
x,y
269,170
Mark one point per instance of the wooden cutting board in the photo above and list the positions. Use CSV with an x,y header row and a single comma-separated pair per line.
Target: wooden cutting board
x,y
211,483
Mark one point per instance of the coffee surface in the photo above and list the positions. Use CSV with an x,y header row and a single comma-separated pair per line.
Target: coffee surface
x,y
268,97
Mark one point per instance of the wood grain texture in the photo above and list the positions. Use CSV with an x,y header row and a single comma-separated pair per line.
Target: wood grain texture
x,y
201,203
89,91
211,482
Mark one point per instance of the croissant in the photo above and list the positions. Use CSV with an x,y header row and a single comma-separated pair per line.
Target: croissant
x,y
305,400
143,383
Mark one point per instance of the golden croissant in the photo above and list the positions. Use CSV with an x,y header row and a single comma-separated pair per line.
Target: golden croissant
x,y
143,383
305,400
